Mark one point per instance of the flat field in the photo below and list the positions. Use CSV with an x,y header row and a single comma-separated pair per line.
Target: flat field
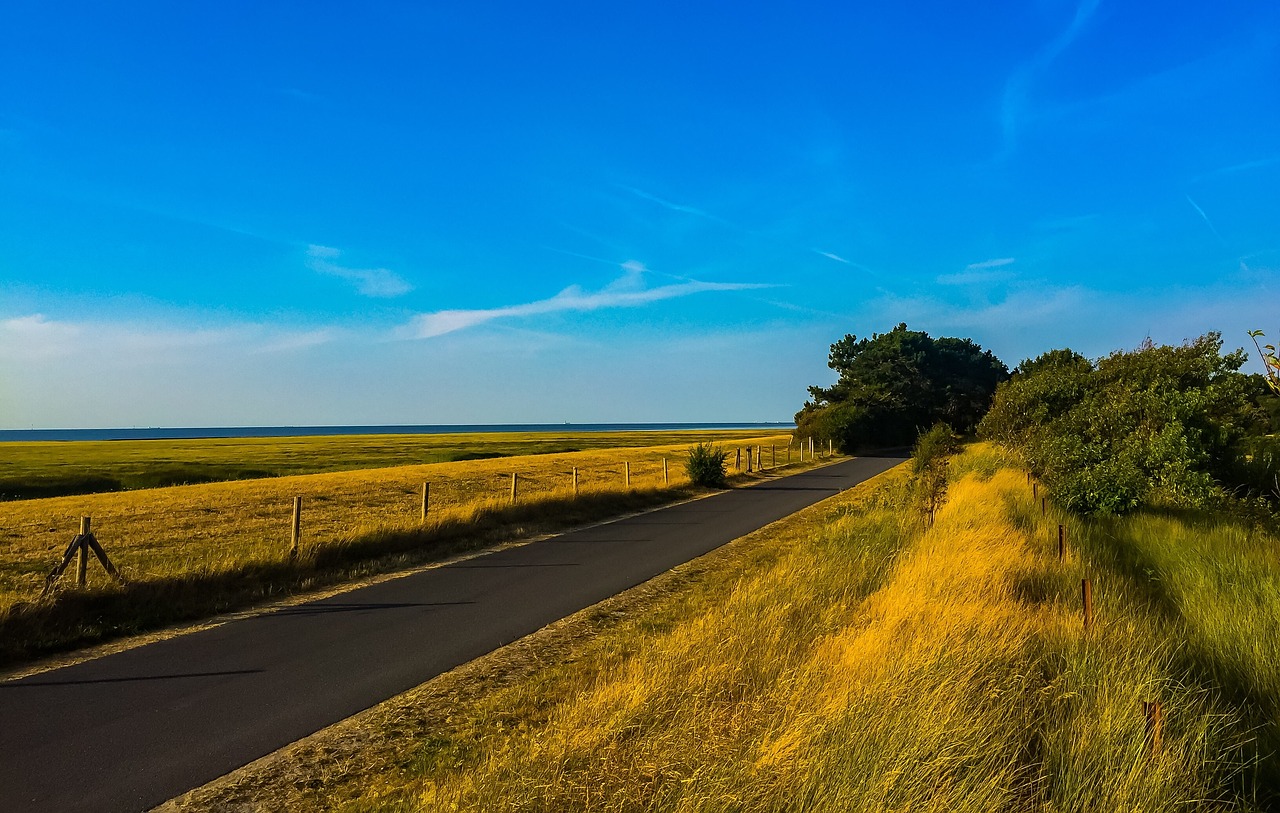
x,y
849,658
189,551
53,468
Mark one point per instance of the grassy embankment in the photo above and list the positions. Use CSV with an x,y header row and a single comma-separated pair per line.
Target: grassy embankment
x,y
54,469
192,551
852,660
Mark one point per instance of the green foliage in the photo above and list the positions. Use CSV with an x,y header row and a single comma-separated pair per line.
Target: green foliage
x,y
1269,359
929,463
894,383
933,447
706,465
1160,423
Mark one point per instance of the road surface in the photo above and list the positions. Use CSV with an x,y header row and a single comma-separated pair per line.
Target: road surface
x,y
128,731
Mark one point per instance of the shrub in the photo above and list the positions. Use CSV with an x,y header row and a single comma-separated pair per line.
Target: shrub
x,y
706,465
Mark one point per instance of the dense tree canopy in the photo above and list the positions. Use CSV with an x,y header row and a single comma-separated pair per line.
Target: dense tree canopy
x,y
1161,423
896,384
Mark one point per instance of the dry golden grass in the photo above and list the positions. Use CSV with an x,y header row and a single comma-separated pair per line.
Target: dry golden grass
x,y
868,666
189,551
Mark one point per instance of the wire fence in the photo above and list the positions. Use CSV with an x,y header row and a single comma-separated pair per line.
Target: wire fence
x,y
216,526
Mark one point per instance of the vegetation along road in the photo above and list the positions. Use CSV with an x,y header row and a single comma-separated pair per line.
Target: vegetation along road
x,y
130,730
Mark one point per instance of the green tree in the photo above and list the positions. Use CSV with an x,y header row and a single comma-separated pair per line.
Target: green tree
x,y
894,384
1159,423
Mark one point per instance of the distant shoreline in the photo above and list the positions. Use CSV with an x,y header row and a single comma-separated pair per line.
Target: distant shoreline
x,y
229,432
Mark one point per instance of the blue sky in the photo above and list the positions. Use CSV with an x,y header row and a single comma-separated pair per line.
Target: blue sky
x,y
289,213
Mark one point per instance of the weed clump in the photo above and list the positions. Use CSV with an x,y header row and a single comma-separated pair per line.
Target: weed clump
x,y
706,465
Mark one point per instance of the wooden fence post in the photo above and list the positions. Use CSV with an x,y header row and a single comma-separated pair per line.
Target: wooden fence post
x,y
297,528
515,478
831,447
666,481
748,458
737,461
1062,543
773,456
1035,490
626,474
1155,726
1086,596
82,563
575,481
426,498
788,454
1042,506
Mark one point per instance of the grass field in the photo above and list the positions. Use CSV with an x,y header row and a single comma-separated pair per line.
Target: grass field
x,y
851,659
190,551
53,469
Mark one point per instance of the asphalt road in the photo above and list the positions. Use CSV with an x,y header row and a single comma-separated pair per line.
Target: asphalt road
x,y
128,731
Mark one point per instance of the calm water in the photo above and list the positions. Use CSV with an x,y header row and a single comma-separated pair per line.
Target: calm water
x,y
307,431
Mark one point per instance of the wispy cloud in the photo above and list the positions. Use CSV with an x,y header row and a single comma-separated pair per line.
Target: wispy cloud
x,y
996,263
678,207
34,337
374,282
1017,89
1236,168
1206,219
626,292
831,256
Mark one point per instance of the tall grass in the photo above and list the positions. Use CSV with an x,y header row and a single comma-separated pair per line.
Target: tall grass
x,y
874,665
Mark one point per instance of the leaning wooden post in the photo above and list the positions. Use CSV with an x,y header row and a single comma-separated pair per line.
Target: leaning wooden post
x,y
626,474
426,499
666,481
515,478
575,481
82,563
1155,726
297,528
1086,596
1062,543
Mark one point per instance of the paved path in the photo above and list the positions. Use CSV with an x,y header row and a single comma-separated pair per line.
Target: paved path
x,y
128,731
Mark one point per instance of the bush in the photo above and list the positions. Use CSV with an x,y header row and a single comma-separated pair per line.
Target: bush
x,y
706,465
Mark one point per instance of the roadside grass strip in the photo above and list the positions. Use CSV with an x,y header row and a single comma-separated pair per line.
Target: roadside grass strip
x,y
867,663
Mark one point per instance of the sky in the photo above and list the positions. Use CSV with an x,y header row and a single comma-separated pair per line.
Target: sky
x,y
287,213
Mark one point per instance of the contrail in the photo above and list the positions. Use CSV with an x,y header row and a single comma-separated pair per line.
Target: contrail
x,y
1207,221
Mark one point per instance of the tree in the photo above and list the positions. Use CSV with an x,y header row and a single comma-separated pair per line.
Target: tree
x,y
1159,423
895,384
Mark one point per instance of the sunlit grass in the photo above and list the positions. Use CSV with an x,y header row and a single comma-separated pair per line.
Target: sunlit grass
x,y
872,665
191,550
56,468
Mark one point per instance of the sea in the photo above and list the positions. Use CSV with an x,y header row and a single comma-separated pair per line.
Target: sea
x,y
190,433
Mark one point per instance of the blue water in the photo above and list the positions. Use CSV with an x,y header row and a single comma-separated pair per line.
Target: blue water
x,y
310,431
